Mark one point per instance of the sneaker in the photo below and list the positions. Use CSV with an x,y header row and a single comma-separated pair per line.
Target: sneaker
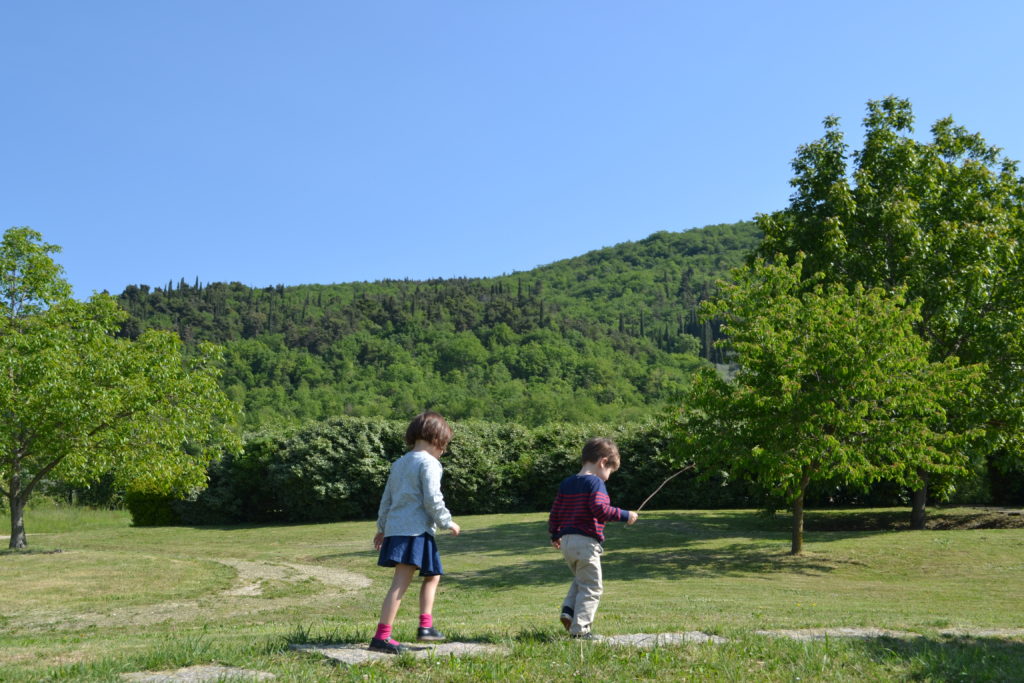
x,y
428,634
585,636
391,647
567,615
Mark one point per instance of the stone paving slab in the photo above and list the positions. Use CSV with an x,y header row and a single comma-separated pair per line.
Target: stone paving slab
x,y
351,653
842,632
202,673
650,640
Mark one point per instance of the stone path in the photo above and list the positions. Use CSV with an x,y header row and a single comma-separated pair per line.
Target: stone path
x,y
358,654
841,632
647,641
872,632
202,673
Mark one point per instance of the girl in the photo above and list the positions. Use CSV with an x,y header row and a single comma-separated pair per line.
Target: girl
x,y
411,509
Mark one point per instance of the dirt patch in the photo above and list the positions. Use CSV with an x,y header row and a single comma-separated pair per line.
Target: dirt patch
x,y
252,576
984,633
249,582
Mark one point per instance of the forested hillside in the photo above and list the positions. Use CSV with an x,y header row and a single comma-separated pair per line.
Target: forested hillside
x,y
608,335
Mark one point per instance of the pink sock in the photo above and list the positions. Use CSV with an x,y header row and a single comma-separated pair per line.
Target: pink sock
x,y
426,621
383,632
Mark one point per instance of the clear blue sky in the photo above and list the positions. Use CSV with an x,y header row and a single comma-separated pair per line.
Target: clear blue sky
x,y
318,141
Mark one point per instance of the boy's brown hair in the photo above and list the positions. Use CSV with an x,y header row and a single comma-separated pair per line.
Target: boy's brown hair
x,y
429,427
600,447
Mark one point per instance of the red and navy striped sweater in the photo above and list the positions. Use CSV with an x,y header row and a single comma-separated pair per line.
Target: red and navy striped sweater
x,y
582,507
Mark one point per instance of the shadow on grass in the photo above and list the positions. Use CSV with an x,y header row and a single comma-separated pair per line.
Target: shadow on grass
x,y
736,559
951,659
655,530
663,544
16,552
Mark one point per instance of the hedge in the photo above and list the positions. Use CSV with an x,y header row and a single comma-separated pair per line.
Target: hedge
x,y
336,470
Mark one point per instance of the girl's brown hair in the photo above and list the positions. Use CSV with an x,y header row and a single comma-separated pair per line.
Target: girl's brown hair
x,y
429,427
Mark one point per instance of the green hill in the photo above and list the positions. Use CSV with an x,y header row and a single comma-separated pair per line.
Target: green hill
x,y
608,335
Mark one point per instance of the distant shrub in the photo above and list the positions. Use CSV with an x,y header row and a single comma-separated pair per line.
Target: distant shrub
x,y
150,509
335,469
239,489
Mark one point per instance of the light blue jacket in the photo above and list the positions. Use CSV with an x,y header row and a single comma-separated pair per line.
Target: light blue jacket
x,y
412,503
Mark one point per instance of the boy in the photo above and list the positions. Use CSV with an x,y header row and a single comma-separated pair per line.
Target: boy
x,y
576,525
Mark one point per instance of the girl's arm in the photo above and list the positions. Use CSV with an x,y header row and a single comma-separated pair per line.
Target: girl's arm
x,y
385,507
433,501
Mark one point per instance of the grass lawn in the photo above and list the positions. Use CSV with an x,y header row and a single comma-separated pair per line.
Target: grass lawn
x,y
118,599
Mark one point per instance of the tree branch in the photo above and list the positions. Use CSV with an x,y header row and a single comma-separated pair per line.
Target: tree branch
x,y
42,473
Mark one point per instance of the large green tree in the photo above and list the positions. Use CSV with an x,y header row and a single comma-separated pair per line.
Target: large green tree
x,y
943,219
77,401
833,385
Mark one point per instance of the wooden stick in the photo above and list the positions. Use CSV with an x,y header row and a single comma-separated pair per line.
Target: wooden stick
x,y
690,466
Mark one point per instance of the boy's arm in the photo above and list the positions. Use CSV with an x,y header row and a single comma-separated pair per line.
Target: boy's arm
x,y
603,510
553,520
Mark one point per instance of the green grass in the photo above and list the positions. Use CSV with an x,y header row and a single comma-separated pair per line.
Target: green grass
x,y
119,599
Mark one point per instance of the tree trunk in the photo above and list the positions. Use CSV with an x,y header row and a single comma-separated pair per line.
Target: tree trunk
x,y
798,525
917,511
17,505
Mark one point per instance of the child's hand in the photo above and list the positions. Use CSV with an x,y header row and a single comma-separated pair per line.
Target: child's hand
x,y
378,540
455,529
557,543
632,518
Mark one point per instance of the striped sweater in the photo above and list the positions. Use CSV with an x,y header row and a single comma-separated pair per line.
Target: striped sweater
x,y
582,507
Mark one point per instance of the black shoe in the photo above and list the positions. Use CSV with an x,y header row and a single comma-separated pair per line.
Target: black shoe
x,y
390,647
428,633
566,617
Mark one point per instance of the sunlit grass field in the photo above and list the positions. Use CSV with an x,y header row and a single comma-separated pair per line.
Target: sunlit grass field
x,y
118,599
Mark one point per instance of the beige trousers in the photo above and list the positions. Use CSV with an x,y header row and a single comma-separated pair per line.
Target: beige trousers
x,y
583,554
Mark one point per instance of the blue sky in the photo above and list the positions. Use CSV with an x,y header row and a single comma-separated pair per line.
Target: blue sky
x,y
331,141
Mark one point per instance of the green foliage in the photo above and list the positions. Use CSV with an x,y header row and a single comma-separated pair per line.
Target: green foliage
x,y
152,509
29,279
79,402
334,470
833,384
607,336
944,220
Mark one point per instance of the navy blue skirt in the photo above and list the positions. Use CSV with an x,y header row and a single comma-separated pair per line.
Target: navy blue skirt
x,y
419,551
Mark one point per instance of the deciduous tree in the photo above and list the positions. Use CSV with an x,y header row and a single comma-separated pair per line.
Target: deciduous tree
x,y
834,384
943,219
77,401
